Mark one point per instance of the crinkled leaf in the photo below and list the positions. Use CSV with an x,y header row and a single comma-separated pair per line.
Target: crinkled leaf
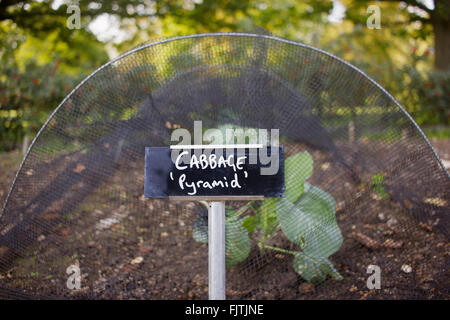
x,y
200,234
314,269
237,241
297,168
268,218
237,245
200,226
265,218
311,222
325,196
249,223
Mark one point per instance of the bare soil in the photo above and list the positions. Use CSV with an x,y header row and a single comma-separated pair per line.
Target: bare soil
x,y
146,251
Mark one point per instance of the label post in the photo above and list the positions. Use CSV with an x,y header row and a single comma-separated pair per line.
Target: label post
x,y
216,250
215,179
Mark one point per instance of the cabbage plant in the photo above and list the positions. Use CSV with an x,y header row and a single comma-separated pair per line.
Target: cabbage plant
x,y
306,215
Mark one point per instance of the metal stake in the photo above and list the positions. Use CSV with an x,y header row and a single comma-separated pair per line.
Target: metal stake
x,y
216,250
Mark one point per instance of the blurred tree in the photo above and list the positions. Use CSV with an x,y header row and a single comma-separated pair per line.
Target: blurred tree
x,y
35,39
399,56
173,17
302,20
37,70
37,43
424,20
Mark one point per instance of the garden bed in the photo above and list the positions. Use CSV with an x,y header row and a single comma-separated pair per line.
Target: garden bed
x,y
145,249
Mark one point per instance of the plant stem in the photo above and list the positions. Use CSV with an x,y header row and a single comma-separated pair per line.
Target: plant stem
x,y
278,249
243,209
205,204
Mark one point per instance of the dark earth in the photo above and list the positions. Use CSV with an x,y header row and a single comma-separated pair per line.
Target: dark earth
x,y
146,250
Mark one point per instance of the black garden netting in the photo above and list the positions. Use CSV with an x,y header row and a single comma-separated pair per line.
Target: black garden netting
x,y
77,201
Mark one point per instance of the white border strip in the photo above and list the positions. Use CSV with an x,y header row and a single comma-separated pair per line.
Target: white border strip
x,y
217,146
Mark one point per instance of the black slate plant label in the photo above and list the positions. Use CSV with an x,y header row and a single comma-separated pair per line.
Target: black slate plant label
x,y
219,175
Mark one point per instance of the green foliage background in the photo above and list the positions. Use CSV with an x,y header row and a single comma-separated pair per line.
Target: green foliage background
x,y
41,59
